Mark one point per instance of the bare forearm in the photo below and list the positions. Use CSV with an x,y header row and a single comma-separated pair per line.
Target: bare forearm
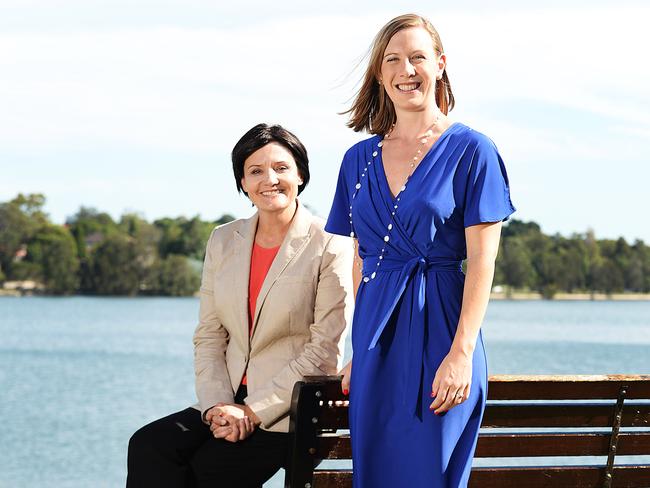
x,y
476,294
356,268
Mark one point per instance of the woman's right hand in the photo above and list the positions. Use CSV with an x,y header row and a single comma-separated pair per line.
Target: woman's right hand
x,y
345,382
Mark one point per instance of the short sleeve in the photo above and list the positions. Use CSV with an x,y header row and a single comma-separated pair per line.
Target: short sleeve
x,y
487,197
338,221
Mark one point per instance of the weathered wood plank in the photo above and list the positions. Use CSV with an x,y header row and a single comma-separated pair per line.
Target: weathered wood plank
x,y
563,415
334,447
578,387
560,476
518,477
521,444
334,478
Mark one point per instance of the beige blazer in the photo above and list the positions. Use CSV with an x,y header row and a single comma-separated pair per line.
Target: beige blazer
x,y
299,326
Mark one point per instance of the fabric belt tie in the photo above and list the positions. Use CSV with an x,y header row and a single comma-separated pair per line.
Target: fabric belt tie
x,y
413,269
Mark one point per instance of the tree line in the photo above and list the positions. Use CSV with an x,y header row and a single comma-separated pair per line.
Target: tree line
x,y
530,260
94,254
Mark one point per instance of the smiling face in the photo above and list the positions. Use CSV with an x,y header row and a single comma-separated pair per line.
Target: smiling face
x,y
271,178
410,68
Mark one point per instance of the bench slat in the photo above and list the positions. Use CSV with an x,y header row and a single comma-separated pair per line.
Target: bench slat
x,y
332,478
566,476
564,415
517,477
521,445
530,415
579,387
560,444
333,418
334,447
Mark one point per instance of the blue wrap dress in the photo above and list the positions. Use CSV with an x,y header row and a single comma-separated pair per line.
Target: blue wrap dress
x,y
409,302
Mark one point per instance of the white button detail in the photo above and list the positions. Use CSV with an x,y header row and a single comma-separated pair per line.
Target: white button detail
x,y
412,163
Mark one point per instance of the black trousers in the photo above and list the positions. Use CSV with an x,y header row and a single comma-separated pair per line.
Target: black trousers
x,y
179,451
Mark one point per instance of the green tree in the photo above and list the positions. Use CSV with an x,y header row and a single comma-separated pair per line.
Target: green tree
x,y
572,254
54,252
89,228
183,236
515,263
608,277
27,270
633,275
20,218
115,267
642,259
224,219
175,276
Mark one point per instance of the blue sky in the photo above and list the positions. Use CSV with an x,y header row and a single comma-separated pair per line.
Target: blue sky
x,y
135,106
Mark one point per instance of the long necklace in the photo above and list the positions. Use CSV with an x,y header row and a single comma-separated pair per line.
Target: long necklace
x,y
413,162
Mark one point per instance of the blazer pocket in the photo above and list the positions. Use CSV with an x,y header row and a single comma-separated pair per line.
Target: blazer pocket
x,y
299,292
293,279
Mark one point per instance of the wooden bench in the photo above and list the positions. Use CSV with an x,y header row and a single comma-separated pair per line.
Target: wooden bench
x,y
581,416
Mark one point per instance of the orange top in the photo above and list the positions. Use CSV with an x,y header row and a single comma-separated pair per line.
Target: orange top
x,y
261,261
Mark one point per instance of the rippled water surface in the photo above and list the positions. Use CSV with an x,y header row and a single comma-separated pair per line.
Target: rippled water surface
x,y
78,375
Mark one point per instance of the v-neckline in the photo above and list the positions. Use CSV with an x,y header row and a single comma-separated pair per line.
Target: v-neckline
x,y
384,178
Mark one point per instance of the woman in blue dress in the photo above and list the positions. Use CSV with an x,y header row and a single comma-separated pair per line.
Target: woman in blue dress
x,y
419,197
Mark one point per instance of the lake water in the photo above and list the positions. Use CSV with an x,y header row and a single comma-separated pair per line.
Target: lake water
x,y
78,375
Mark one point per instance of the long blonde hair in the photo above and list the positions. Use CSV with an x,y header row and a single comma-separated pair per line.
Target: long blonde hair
x,y
372,110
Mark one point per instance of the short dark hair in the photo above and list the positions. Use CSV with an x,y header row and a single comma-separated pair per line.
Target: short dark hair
x,y
258,137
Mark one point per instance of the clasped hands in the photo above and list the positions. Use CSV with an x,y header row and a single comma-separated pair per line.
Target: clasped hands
x,y
231,421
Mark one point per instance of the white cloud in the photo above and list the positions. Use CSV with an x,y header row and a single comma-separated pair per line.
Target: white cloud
x,y
194,90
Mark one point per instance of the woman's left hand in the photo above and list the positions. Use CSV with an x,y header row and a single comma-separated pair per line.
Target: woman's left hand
x,y
452,382
233,422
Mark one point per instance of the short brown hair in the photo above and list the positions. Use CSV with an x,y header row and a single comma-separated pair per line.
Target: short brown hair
x,y
258,137
372,110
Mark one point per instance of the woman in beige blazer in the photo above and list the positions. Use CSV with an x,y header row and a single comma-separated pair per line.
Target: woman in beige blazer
x,y
275,299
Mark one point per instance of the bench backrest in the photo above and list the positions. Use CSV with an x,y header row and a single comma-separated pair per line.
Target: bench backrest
x,y
526,416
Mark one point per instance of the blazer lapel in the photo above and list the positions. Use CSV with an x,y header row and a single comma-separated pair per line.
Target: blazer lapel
x,y
296,238
244,238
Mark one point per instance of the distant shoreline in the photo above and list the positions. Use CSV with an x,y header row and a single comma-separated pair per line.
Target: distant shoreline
x,y
597,297
514,296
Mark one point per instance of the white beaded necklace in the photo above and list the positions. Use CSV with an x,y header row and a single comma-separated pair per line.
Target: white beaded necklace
x,y
412,163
